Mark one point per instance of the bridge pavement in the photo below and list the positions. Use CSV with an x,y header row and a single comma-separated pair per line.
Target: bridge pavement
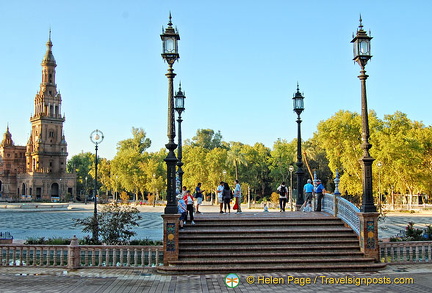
x,y
415,278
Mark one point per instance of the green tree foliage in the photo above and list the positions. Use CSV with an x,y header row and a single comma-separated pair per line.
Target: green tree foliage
x,y
194,159
403,150
282,156
127,164
206,138
81,164
256,172
403,146
236,157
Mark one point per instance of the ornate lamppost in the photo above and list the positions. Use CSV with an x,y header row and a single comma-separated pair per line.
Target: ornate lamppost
x,y
298,104
170,54
179,100
96,137
291,169
379,165
362,54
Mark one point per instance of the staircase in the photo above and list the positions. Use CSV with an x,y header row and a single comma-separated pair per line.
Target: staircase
x,y
268,242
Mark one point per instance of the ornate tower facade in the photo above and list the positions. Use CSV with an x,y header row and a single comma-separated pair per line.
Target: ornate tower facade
x,y
37,171
47,147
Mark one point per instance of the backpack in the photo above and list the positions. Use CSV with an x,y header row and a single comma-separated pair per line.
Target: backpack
x,y
283,191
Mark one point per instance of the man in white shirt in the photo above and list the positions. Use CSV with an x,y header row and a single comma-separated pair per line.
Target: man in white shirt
x,y
219,195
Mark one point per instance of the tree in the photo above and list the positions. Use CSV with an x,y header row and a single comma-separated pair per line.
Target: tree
x,y
216,162
81,164
126,164
206,138
236,157
195,168
403,145
256,174
282,156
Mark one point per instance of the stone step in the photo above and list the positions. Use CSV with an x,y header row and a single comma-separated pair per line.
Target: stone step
x,y
240,242
282,253
261,248
231,222
265,260
194,229
253,268
287,236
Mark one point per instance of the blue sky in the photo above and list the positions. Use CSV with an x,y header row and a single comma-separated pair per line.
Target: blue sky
x,y
239,65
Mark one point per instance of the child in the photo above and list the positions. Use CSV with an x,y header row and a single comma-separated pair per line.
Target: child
x,y
265,208
308,207
182,210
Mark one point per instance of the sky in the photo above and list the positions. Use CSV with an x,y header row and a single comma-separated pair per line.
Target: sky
x,y
239,65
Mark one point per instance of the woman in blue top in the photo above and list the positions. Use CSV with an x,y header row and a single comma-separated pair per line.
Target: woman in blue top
x,y
319,191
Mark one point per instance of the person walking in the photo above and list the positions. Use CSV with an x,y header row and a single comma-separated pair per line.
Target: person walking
x,y
182,210
199,197
283,191
219,192
188,198
226,197
238,196
319,191
308,189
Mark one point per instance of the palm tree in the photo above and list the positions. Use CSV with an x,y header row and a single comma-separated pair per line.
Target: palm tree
x,y
236,157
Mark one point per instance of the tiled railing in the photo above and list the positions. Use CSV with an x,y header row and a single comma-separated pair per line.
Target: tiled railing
x,y
343,209
75,256
406,252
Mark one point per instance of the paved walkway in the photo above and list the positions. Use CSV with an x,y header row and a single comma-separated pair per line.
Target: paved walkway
x,y
400,278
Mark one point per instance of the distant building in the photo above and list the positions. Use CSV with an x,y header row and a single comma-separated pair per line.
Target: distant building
x,y
37,171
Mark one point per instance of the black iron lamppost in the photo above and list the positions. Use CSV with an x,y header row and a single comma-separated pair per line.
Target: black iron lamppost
x,y
362,54
291,170
170,54
179,100
298,104
96,137
380,203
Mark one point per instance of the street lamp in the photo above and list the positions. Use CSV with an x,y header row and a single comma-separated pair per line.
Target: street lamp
x,y
291,169
362,54
379,165
298,105
170,37
179,100
96,137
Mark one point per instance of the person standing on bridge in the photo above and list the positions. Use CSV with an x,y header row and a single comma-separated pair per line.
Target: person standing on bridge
x,y
308,191
319,191
199,196
188,198
219,192
238,196
283,191
226,197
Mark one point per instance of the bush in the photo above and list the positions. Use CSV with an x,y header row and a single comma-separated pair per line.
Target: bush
x,y
49,241
113,223
146,242
414,234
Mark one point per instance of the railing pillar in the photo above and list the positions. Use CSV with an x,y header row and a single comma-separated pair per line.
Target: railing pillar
x,y
171,237
74,254
369,235
335,205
